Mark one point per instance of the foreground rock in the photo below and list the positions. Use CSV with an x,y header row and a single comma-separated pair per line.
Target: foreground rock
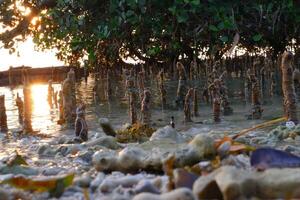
x,y
231,183
150,155
178,194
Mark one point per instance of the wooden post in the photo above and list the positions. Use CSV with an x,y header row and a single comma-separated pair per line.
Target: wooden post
x,y
290,106
3,117
27,127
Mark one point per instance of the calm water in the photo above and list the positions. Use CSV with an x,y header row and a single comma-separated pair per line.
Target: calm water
x,y
44,119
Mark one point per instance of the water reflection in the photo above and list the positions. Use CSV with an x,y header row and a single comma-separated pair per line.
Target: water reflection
x,y
40,106
43,119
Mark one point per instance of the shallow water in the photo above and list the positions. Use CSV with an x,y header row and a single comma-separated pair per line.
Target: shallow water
x,y
44,119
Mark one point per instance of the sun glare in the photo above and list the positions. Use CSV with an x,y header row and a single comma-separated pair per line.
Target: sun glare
x,y
40,105
28,57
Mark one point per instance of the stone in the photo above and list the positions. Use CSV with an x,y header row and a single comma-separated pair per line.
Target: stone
x,y
203,145
97,181
146,186
62,140
131,158
178,194
86,156
107,127
52,171
107,141
46,150
18,169
105,160
166,132
4,195
110,183
228,182
224,148
183,178
83,181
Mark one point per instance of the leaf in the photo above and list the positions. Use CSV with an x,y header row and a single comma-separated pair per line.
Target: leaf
x,y
182,17
55,185
257,37
172,10
266,157
224,39
219,142
213,28
238,148
221,26
195,2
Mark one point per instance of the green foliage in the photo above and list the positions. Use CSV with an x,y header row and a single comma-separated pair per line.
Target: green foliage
x,y
156,30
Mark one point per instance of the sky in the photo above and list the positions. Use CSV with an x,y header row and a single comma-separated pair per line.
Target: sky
x,y
28,57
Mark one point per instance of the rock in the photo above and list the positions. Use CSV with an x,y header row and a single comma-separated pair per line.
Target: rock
x,y
203,146
131,158
206,187
146,186
62,140
46,150
98,135
107,141
4,195
224,148
83,181
166,132
178,194
107,127
18,169
97,181
291,149
86,156
233,187
228,182
53,171
183,178
278,183
239,161
105,160
110,183
297,138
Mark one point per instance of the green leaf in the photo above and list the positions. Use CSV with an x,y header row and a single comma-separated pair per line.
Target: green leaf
x,y
221,26
195,2
182,17
224,39
213,28
257,37
172,10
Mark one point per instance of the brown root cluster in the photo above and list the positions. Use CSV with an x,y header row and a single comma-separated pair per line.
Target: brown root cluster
x,y
135,133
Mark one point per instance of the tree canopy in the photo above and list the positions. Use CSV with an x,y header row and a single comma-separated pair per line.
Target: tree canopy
x,y
151,30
